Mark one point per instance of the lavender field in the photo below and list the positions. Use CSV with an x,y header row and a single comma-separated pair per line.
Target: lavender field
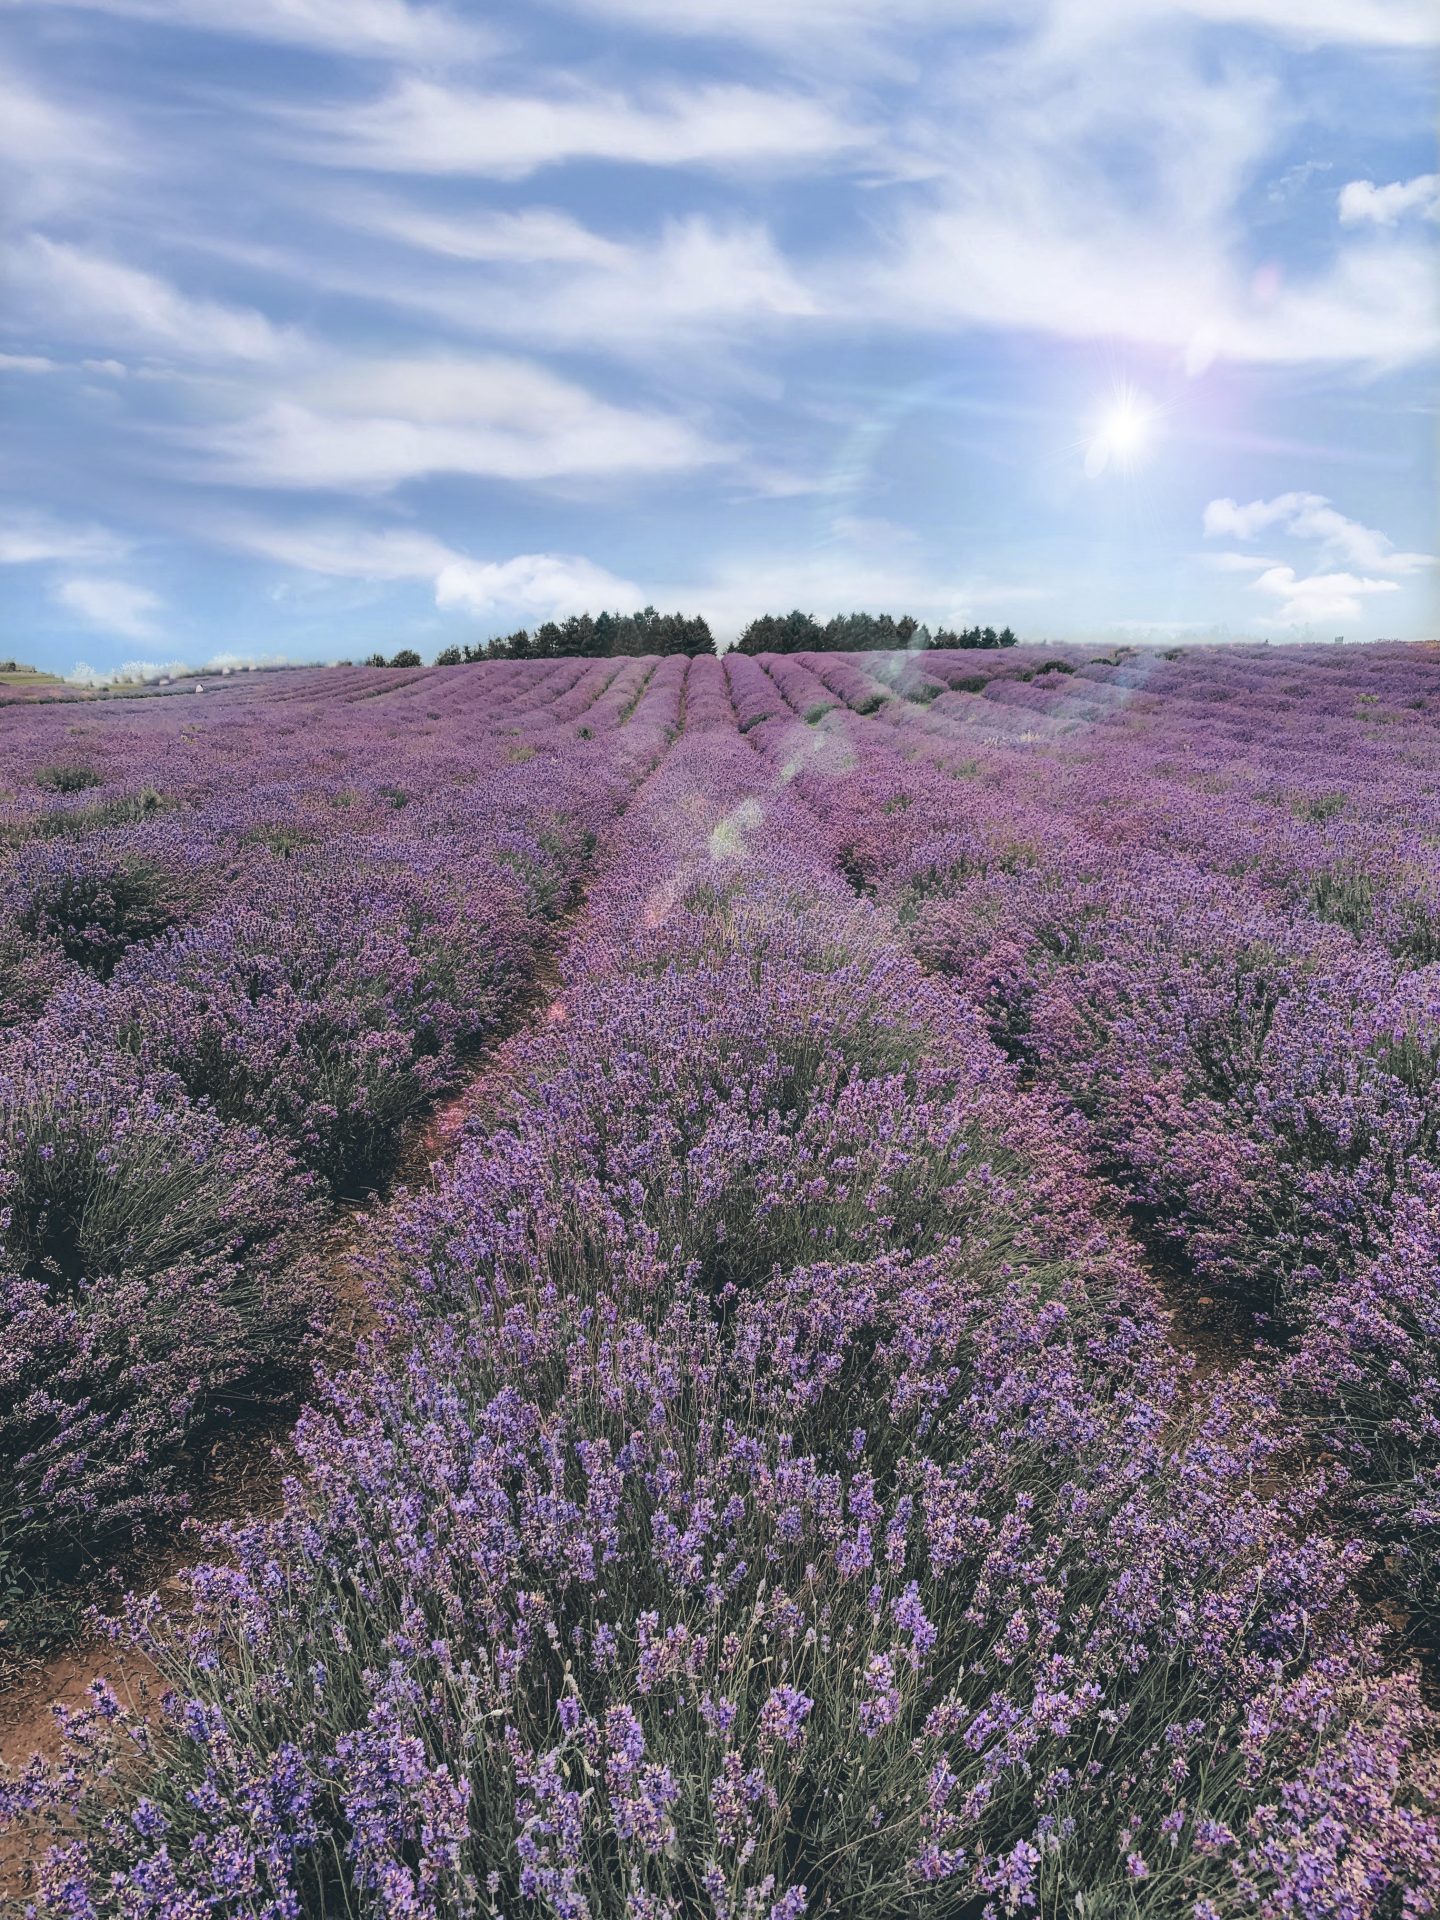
x,y
915,1389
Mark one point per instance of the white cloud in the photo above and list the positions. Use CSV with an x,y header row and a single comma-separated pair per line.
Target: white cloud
x,y
530,585
1376,23
53,154
377,424
103,300
28,537
1362,201
1238,562
1310,516
423,126
113,605
343,551
552,281
533,236
387,28
1019,217
541,585
1318,596
27,363
820,25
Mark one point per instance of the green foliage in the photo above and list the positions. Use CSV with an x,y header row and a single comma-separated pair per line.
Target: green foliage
x,y
602,636
66,779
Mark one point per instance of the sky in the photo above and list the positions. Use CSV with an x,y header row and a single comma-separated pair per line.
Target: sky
x,y
328,325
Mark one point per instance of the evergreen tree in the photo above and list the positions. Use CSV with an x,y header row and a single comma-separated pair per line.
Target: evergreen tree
x,y
794,632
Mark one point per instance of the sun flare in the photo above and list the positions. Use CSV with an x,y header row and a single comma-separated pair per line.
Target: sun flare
x,y
1126,429
1122,435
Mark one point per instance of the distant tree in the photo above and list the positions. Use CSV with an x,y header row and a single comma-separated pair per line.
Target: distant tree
x,y
793,632
1007,638
868,632
593,636
989,638
376,660
449,657
407,657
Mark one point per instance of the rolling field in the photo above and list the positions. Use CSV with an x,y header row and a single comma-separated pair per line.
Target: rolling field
x,y
908,1381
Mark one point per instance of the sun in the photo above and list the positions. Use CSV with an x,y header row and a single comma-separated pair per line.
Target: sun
x,y
1126,429
1122,434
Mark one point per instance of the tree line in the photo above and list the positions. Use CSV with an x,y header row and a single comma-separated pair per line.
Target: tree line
x,y
799,632
608,635
600,636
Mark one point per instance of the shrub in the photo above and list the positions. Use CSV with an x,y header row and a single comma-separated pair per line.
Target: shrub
x,y
329,1023
67,779
92,902
143,1244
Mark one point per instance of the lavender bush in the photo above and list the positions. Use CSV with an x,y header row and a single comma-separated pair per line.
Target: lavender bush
x,y
144,1247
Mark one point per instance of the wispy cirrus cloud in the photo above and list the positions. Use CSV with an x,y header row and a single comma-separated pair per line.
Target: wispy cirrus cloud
x,y
426,126
107,302
28,538
370,426
1380,23
392,29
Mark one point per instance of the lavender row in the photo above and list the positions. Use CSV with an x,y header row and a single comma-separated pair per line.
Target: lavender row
x,y
771,1494
1265,1086
173,1130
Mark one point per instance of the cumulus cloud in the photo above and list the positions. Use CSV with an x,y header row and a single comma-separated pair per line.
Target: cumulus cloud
x,y
426,126
1361,201
540,585
1318,596
115,606
1310,516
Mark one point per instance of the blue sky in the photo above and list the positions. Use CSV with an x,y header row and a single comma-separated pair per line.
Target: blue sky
x,y
334,324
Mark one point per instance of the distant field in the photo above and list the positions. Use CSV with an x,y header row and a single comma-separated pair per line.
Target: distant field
x,y
902,1279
